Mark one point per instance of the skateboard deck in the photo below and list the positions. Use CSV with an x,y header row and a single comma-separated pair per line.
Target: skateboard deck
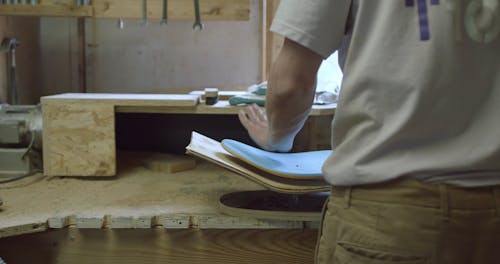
x,y
265,204
302,165
212,150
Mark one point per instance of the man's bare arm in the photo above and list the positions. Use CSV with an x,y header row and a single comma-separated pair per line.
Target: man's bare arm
x,y
291,89
289,98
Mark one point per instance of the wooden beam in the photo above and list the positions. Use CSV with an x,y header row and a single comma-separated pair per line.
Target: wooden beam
x,y
47,10
177,9
129,246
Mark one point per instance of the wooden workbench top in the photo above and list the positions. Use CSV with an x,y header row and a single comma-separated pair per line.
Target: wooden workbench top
x,y
161,103
138,197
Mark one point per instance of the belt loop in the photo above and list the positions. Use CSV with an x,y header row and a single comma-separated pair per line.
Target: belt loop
x,y
496,199
445,206
347,197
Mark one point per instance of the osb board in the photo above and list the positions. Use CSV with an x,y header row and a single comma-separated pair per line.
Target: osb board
x,y
79,140
211,150
178,100
294,246
137,197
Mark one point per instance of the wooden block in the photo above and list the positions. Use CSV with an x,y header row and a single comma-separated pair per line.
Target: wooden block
x,y
79,140
162,162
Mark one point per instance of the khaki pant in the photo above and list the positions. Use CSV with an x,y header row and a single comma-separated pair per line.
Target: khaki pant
x,y
408,222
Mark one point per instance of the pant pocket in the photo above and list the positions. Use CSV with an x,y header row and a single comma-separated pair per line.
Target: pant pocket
x,y
319,241
347,253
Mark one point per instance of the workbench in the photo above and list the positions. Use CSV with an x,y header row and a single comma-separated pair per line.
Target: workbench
x,y
81,131
143,216
139,213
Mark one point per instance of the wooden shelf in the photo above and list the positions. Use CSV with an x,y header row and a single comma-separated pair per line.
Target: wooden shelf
x,y
177,9
79,132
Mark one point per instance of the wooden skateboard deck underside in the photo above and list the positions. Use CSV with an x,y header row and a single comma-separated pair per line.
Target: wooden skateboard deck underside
x,y
212,150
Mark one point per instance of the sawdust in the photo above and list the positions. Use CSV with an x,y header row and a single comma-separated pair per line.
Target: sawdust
x,y
135,191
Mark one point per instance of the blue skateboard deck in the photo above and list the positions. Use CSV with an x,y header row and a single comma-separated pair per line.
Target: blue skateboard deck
x,y
301,165
212,151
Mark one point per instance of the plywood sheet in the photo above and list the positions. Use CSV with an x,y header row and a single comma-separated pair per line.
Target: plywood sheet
x,y
179,100
79,140
211,150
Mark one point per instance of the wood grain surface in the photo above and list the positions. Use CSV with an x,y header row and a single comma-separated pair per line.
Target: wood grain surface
x,y
161,246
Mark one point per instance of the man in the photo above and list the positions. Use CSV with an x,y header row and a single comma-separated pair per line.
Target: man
x,y
416,136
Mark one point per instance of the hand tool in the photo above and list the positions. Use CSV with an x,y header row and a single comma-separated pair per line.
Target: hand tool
x,y
164,13
197,22
144,21
9,45
121,23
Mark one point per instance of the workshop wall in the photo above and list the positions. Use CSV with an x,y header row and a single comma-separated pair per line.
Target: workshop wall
x,y
155,58
26,30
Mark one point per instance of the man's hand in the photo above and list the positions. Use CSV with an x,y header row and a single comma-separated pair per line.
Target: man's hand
x,y
254,119
289,97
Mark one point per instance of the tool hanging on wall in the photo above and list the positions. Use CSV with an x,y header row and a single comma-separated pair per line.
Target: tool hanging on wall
x,y
144,20
82,2
9,45
164,13
197,22
18,2
121,23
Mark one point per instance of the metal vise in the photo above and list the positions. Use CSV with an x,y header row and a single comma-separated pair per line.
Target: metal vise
x,y
20,140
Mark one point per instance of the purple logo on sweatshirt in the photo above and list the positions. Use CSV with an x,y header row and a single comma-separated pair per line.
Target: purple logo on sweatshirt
x,y
423,17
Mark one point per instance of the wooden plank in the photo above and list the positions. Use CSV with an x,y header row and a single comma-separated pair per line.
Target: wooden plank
x,y
79,140
164,162
162,246
47,10
22,229
177,9
142,100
